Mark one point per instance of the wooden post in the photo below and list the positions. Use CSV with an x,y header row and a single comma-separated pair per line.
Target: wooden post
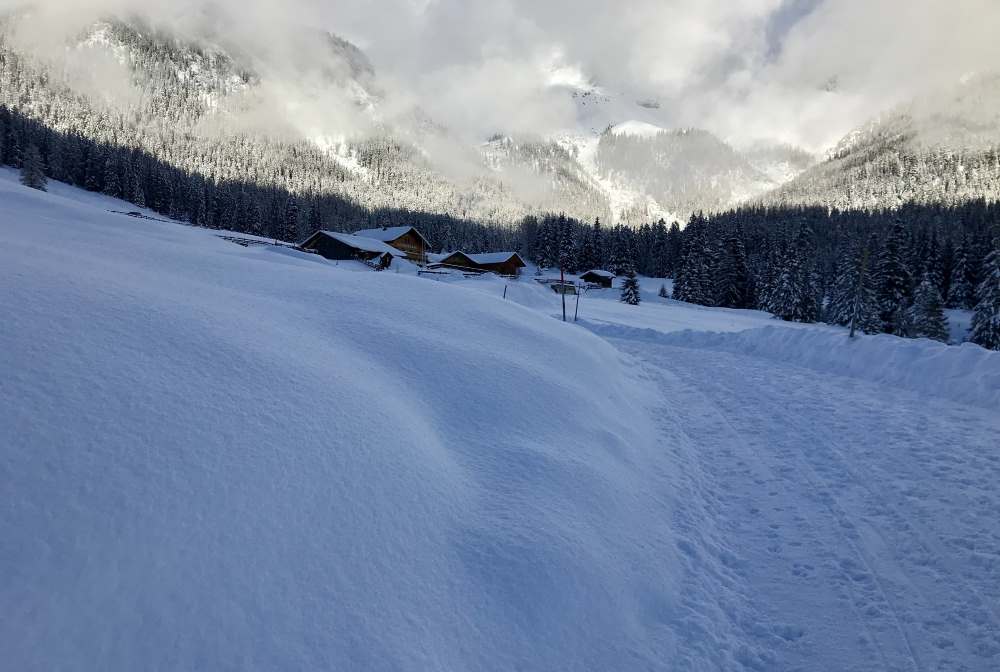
x,y
505,292
576,311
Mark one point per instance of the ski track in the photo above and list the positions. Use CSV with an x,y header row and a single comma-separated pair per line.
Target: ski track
x,y
854,524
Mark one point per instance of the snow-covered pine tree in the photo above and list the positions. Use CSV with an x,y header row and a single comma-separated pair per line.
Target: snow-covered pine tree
x,y
785,296
620,261
864,314
986,319
933,262
33,169
630,289
586,253
893,281
290,221
927,318
661,250
808,290
564,251
111,186
732,279
4,133
840,306
674,246
548,244
694,282
663,293
600,259
962,288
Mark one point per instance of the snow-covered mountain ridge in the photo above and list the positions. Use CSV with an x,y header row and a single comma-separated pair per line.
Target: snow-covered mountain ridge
x,y
943,147
327,126
211,91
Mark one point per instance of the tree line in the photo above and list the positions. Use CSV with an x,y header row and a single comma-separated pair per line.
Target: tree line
x,y
878,271
890,271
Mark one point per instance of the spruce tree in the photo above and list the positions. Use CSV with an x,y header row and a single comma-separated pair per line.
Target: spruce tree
x,y
620,261
864,313
33,169
785,298
893,282
661,251
694,283
630,289
733,275
600,259
4,133
807,309
587,254
961,289
565,256
663,293
674,247
986,319
927,318
840,307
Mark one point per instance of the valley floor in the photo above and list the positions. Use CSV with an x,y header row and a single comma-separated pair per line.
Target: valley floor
x,y
223,457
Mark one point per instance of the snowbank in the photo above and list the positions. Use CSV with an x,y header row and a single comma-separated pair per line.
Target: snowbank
x,y
965,374
217,457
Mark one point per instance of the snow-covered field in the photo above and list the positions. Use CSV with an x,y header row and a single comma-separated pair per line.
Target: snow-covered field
x,y
250,458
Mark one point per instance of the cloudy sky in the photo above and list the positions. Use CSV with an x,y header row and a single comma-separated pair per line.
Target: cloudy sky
x,y
802,71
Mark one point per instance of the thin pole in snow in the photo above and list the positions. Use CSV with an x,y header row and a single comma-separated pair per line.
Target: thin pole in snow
x,y
562,290
505,292
576,311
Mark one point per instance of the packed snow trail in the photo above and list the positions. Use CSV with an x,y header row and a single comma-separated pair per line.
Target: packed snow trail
x,y
857,522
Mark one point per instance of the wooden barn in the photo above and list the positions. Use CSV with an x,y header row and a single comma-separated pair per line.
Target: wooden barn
x,y
406,239
344,247
501,263
598,277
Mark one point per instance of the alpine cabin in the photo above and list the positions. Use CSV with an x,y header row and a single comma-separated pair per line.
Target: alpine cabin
x,y
406,239
345,247
598,277
501,263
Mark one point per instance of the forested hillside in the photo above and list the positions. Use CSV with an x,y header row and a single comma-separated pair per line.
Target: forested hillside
x,y
198,109
944,148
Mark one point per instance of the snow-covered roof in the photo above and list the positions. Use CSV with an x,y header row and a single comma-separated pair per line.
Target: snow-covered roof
x,y
494,257
597,271
389,233
362,243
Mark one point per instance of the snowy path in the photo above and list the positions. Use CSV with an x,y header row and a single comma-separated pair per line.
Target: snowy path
x,y
856,526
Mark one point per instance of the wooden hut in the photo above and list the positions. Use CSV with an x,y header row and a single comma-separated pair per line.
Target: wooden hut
x,y
406,239
598,277
460,261
501,263
344,246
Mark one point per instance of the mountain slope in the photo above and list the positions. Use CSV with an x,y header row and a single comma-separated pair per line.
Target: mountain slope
x,y
944,148
317,122
312,128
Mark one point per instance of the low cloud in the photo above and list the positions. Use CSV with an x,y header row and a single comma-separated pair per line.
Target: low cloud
x,y
802,71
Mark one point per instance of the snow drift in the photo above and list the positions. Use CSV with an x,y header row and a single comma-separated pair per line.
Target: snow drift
x,y
966,374
225,458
